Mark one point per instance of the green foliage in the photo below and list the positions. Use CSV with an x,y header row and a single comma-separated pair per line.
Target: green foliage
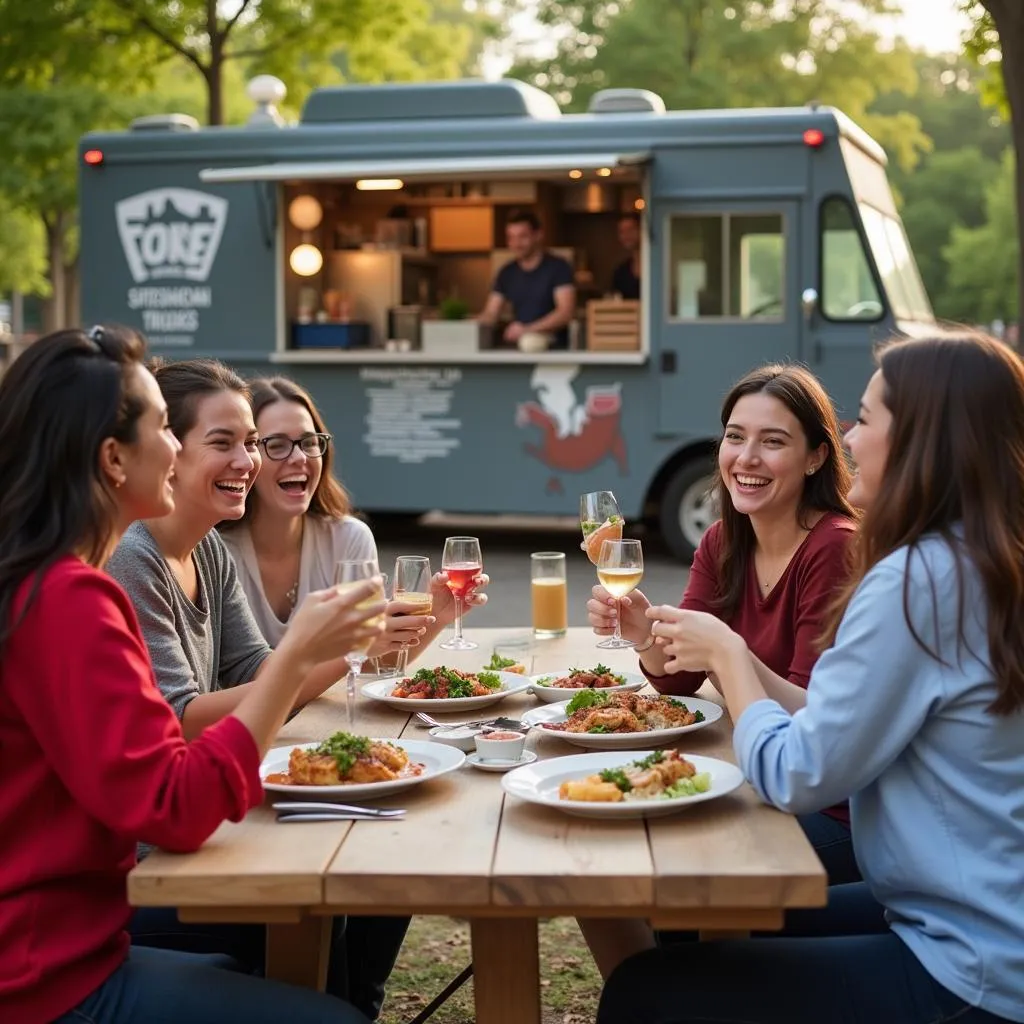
x,y
728,53
454,309
983,261
22,251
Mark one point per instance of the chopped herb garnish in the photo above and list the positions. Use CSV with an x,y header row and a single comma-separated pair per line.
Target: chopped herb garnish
x,y
699,715
651,760
489,679
345,748
598,728
497,663
585,699
618,776
589,526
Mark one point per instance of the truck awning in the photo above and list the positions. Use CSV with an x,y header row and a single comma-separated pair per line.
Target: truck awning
x,y
463,168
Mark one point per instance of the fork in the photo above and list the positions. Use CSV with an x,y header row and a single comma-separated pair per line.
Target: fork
x,y
483,723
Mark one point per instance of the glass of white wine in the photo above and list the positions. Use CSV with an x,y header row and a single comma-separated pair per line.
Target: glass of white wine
x,y
347,575
412,586
620,568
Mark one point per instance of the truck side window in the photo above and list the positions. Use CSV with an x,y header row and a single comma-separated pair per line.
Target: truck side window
x,y
848,289
727,265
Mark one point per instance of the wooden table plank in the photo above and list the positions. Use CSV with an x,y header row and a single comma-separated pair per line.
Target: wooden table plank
x,y
506,974
256,862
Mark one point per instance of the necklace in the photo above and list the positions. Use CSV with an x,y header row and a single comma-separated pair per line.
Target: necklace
x,y
292,594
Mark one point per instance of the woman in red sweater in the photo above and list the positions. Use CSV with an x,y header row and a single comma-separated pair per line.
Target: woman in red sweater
x,y
91,756
770,567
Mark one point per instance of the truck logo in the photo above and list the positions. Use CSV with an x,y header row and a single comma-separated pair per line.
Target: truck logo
x,y
171,233
574,436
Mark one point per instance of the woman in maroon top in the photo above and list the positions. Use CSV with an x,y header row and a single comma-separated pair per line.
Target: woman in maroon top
x,y
92,757
771,565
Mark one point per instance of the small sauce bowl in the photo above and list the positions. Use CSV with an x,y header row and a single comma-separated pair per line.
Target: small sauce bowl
x,y
500,746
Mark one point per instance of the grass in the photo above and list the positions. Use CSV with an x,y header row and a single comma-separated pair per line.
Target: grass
x,y
436,949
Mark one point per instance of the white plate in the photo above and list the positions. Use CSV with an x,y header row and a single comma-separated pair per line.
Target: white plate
x,y
554,714
538,784
500,766
437,759
556,694
381,690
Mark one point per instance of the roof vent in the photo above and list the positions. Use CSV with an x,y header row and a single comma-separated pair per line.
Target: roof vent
x,y
434,101
266,92
626,101
165,123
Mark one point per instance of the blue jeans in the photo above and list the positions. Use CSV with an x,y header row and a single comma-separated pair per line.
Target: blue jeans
x,y
160,986
839,964
833,843
363,949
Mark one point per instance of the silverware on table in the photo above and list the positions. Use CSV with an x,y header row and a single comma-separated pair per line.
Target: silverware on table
x,y
290,807
287,819
483,723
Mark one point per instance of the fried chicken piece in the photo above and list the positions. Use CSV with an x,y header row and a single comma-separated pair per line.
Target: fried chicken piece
x,y
664,715
591,789
308,769
610,719
388,754
369,769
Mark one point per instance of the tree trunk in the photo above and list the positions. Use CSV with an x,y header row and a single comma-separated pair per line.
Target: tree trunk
x,y
1009,19
72,294
55,308
214,73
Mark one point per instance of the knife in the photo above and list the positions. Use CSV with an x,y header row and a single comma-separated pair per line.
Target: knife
x,y
313,807
286,819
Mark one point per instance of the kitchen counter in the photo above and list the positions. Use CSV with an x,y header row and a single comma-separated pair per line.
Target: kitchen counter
x,y
377,355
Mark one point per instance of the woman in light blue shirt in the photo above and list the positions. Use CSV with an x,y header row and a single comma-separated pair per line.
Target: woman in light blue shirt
x,y
914,713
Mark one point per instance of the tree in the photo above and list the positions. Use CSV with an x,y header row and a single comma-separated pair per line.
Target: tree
x,y
22,252
728,53
999,32
983,261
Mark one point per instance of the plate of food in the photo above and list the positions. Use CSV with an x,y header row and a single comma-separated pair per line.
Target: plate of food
x,y
345,767
501,664
623,784
553,687
621,721
446,689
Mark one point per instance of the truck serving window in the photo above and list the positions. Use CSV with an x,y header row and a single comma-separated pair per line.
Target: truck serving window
x,y
848,289
896,265
726,265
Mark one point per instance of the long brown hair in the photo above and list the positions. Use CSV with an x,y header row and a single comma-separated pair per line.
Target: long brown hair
x,y
330,500
184,384
59,402
824,491
955,468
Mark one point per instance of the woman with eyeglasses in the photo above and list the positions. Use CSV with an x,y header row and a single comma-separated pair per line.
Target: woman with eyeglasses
x,y
206,645
297,525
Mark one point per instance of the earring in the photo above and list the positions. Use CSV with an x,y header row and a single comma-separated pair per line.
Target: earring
x,y
117,483
811,472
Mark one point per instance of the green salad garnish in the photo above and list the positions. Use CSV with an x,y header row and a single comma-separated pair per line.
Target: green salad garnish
x,y
699,715
699,783
497,663
489,679
585,699
650,760
618,776
345,748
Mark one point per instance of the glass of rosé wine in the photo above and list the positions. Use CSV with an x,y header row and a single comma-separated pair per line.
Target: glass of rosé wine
x,y
462,562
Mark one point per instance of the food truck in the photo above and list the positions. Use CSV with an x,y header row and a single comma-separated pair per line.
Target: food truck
x,y
352,252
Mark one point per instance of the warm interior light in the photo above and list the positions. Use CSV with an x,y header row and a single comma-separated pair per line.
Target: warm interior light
x,y
639,204
305,213
306,260
575,174
814,137
93,157
604,172
379,184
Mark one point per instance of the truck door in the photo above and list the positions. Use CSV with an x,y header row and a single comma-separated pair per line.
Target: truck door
x,y
726,298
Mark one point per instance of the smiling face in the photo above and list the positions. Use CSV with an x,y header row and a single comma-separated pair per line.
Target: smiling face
x,y
764,458
869,442
143,470
523,240
287,487
219,460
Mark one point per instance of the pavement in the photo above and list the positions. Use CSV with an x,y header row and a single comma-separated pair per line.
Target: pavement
x,y
506,543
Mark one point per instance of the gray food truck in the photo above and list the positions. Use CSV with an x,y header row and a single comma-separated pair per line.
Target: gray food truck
x,y
344,251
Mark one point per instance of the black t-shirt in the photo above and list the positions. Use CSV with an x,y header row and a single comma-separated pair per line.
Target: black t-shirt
x,y
625,282
532,292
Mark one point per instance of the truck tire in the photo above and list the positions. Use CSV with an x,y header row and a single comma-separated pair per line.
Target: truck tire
x,y
688,507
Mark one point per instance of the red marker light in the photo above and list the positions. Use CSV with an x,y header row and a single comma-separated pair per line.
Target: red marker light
x,y
93,157
814,137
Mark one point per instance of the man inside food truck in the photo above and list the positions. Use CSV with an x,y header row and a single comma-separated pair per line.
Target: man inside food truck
x,y
537,285
626,279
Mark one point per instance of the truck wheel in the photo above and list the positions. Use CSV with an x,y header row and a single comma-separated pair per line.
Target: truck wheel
x,y
688,507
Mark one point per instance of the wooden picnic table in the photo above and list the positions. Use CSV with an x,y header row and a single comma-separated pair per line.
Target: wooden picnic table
x,y
467,850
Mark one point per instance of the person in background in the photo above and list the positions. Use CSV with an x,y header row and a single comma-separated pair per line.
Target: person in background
x,y
206,647
626,279
914,713
92,758
536,284
298,525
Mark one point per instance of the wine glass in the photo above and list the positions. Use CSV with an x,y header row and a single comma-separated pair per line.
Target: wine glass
x,y
600,520
347,575
412,585
620,568
462,562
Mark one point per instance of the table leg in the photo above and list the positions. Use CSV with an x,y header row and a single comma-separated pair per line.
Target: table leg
x,y
506,970
298,953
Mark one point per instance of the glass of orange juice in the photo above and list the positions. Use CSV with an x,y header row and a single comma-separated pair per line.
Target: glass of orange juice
x,y
549,594
620,568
